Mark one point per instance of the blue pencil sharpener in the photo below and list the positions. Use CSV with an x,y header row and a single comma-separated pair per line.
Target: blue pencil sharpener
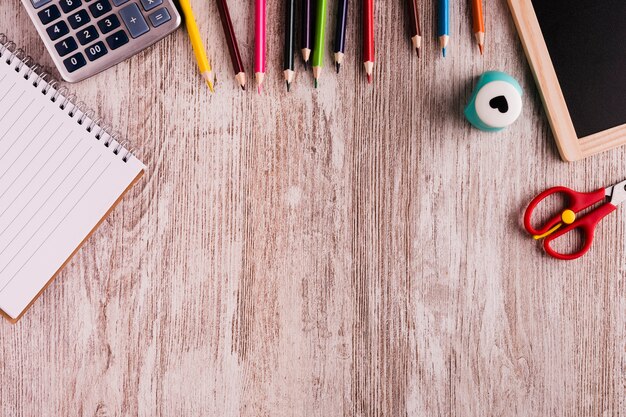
x,y
495,103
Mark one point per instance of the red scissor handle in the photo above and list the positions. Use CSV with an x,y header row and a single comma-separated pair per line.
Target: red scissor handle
x,y
576,202
587,224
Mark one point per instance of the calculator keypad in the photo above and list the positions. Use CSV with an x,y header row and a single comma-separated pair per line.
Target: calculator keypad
x,y
159,17
58,30
150,4
87,35
66,46
70,5
85,31
117,40
75,62
49,15
134,21
79,19
39,3
95,51
100,8
109,24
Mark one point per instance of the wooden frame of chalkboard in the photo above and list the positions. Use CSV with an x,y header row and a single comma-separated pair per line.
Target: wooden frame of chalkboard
x,y
571,147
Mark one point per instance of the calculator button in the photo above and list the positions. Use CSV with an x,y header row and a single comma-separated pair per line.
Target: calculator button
x,y
57,30
119,2
79,19
75,62
134,21
96,51
66,46
150,4
87,35
49,15
109,23
117,40
100,8
69,5
39,3
159,17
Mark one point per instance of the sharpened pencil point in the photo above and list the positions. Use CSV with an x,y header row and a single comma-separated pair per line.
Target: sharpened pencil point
x,y
481,47
315,82
288,85
418,52
443,52
337,66
369,78
241,80
208,79
259,89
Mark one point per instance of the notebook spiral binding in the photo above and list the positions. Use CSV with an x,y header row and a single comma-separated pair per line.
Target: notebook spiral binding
x,y
11,55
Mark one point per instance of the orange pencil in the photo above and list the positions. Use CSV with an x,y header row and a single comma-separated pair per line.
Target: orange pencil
x,y
478,23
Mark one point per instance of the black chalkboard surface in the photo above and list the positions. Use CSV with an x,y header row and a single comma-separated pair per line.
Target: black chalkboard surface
x,y
586,40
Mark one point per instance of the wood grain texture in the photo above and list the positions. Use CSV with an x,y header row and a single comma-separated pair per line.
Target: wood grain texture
x,y
350,251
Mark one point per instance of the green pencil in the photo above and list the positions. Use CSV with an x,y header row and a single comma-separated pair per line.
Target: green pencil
x,y
318,41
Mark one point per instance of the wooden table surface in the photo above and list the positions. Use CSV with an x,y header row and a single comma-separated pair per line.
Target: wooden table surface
x,y
354,250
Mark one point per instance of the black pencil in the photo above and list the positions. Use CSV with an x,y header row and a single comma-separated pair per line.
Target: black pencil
x,y
305,35
414,24
289,44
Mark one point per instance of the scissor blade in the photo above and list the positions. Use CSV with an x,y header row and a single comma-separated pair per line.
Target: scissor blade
x,y
616,194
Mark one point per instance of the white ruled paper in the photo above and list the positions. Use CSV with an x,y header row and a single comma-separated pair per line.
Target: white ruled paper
x,y
57,181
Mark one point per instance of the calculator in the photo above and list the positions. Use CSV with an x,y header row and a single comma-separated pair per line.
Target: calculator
x,y
86,37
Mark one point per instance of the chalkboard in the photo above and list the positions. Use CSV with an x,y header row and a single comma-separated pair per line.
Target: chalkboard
x,y
586,40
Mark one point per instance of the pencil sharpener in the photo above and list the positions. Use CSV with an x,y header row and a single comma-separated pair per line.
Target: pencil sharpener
x,y
495,103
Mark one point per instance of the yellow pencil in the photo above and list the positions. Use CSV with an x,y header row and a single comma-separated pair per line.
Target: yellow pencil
x,y
196,43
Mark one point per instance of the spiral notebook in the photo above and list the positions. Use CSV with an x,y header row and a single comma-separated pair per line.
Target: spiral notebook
x,y
61,173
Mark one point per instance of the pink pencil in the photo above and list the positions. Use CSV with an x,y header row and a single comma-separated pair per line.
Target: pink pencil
x,y
259,46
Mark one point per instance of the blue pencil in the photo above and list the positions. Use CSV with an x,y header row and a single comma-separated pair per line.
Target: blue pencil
x,y
444,25
340,32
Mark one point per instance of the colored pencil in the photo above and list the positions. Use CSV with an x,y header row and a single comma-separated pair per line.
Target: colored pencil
x,y
340,32
414,25
231,40
289,69
305,34
196,43
368,38
478,24
317,59
444,25
259,43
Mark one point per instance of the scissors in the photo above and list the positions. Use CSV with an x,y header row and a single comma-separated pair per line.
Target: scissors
x,y
569,219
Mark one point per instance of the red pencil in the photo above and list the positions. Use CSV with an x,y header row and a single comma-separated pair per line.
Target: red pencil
x,y
368,38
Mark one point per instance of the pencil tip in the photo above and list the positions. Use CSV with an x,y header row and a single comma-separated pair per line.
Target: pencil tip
x,y
337,66
210,85
243,87
369,78
418,52
481,47
288,86
306,65
443,52
315,82
259,89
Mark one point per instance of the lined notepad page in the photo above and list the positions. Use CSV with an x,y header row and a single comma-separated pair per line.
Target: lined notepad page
x,y
57,182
